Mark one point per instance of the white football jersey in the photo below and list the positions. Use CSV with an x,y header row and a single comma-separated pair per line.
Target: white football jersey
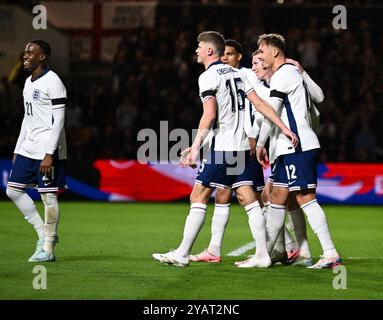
x,y
263,92
262,89
287,86
41,97
230,88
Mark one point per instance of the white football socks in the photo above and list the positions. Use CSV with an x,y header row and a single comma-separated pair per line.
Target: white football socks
x,y
193,225
274,224
218,227
285,241
52,217
280,245
290,243
258,227
318,222
266,209
26,205
299,227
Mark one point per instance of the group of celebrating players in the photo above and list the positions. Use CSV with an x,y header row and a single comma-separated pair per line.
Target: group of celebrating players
x,y
242,110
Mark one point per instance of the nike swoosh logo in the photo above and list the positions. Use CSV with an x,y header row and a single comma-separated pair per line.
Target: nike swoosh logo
x,y
47,183
291,182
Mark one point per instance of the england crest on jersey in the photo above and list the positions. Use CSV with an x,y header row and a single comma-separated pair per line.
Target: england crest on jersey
x,y
36,94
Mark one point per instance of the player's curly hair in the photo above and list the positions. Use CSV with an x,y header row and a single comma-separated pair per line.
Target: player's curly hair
x,y
273,39
215,38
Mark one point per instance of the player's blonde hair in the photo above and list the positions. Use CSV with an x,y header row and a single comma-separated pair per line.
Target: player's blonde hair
x,y
273,39
215,38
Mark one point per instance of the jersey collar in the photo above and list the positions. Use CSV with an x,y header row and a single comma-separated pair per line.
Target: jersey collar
x,y
42,74
284,65
214,63
265,84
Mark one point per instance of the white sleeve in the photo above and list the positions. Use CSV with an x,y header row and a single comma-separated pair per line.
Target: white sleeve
x,y
279,89
208,139
249,80
248,86
276,101
58,125
252,130
264,132
21,138
208,85
57,94
315,91
250,76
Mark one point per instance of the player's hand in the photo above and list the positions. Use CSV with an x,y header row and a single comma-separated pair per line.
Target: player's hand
x,y
185,153
292,136
297,64
189,157
262,156
46,165
253,146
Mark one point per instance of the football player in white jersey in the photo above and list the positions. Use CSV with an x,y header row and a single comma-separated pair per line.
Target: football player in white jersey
x,y
232,56
40,148
286,250
222,90
295,169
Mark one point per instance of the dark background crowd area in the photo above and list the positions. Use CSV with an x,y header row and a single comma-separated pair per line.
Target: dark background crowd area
x,y
154,77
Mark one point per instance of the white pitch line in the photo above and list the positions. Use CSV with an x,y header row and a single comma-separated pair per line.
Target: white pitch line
x,y
251,245
242,250
365,258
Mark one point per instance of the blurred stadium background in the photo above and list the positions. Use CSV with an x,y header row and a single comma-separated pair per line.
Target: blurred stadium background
x,y
128,65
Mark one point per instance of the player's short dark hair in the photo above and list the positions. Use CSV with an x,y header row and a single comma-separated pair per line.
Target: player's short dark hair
x,y
215,38
44,46
273,39
235,44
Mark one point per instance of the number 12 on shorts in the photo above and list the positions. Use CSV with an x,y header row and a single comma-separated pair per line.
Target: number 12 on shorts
x,y
290,171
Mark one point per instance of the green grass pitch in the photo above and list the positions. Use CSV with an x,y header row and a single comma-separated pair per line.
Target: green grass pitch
x,y
105,253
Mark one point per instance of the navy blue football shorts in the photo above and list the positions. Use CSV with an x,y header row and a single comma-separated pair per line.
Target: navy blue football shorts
x,y
296,171
26,173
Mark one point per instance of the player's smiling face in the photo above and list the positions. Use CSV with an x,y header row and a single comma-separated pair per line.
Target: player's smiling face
x,y
32,56
258,68
266,55
231,57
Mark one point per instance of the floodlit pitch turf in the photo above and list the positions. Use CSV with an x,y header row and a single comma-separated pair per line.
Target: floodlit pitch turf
x,y
105,253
